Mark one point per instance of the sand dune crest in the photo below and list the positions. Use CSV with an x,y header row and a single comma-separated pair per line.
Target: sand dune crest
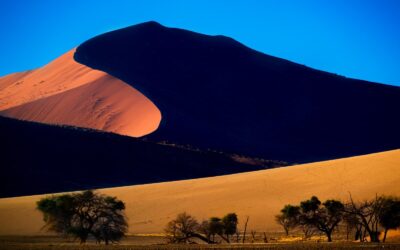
x,y
66,92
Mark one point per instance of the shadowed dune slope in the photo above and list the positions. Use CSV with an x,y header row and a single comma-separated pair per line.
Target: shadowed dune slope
x,y
66,92
258,194
217,93
38,158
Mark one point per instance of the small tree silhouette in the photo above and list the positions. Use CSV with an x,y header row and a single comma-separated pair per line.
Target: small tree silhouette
x,y
312,215
389,216
288,218
229,223
215,226
324,218
183,229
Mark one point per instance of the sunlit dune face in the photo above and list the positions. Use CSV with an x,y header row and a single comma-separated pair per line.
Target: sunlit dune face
x,y
66,92
258,194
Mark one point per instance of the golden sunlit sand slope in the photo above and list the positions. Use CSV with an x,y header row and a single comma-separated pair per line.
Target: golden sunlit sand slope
x,y
258,194
66,92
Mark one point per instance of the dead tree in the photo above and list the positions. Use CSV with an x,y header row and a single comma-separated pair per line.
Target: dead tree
x,y
253,235
245,229
265,237
367,213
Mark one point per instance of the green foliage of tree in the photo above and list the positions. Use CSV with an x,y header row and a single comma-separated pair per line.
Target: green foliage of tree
x,y
85,214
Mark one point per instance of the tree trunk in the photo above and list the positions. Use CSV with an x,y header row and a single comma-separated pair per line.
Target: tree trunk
x,y
224,238
364,232
329,235
83,237
201,237
384,236
374,236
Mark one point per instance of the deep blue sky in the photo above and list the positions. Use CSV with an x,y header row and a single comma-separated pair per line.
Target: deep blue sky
x,y
354,38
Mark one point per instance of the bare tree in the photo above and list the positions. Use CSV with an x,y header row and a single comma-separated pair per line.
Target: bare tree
x,y
352,224
367,213
245,229
265,237
253,235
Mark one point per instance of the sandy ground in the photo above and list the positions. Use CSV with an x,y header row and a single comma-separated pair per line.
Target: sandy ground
x,y
259,194
66,92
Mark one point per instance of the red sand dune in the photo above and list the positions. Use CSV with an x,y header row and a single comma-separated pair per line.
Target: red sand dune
x,y
66,92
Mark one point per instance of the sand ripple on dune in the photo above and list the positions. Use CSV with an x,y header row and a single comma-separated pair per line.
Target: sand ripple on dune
x,y
66,92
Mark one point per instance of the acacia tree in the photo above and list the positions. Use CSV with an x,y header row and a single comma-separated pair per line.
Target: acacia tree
x,y
229,222
83,214
111,225
324,218
312,215
288,218
184,228
389,216
215,226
